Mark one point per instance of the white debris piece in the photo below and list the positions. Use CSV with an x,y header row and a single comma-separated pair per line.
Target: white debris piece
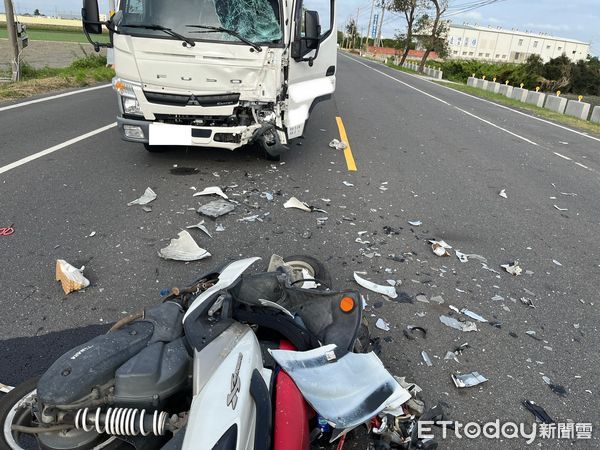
x,y
212,190
388,291
293,202
337,144
451,355
347,183
382,324
415,223
513,269
426,358
472,315
560,209
461,326
440,248
220,228
468,379
71,278
502,193
149,196
183,248
5,389
556,262
200,226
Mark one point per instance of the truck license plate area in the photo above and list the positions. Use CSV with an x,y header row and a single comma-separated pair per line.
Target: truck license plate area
x,y
167,134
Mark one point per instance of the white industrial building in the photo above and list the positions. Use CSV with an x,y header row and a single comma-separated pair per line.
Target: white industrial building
x,y
497,44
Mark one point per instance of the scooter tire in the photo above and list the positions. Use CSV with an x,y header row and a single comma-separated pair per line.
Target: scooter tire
x,y
316,267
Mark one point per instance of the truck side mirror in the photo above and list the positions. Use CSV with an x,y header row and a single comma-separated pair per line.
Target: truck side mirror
x,y
309,40
91,17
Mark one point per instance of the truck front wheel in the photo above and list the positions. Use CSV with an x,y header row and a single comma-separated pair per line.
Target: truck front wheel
x,y
157,148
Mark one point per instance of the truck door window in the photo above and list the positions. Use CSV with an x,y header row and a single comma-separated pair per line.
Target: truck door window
x,y
325,8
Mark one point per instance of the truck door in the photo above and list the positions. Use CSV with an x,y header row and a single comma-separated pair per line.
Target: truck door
x,y
312,69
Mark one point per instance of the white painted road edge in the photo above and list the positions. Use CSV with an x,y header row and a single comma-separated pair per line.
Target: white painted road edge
x,y
53,97
539,119
37,155
444,102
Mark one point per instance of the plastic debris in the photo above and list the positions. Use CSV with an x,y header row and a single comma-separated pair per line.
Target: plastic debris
x,y
502,193
457,325
322,220
464,257
472,315
212,190
337,144
293,202
220,228
497,298
559,208
451,355
540,414
388,291
149,196
437,299
252,218
440,248
147,209
415,223
183,248
421,298
513,269
5,388
7,231
71,278
468,379
528,302
382,324
426,358
268,196
200,226
556,262
216,208
532,334
347,183
364,388
409,332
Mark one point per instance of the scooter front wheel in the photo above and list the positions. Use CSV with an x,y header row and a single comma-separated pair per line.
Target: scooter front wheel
x,y
312,268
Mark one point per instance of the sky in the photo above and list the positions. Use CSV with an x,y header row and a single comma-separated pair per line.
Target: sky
x,y
576,19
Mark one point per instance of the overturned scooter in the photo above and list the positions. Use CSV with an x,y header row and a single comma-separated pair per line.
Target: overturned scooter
x,y
233,361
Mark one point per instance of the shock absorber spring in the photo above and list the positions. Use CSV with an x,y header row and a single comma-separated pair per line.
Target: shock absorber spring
x,y
121,421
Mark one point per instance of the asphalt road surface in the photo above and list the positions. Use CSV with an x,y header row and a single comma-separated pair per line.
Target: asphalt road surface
x,y
423,152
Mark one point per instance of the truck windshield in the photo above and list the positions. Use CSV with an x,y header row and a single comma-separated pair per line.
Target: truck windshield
x,y
256,21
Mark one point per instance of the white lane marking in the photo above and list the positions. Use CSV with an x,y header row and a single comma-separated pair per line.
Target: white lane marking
x,y
548,122
445,102
37,155
562,156
54,97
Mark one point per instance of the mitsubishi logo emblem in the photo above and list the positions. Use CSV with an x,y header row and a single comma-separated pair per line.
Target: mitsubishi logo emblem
x,y
193,101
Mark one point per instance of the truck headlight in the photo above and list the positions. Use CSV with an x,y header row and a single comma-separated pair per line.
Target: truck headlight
x,y
131,106
124,88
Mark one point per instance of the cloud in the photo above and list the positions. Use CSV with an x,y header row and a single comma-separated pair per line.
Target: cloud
x,y
548,26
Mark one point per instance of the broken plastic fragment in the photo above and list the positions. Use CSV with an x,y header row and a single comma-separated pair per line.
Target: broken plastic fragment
x,y
527,301
200,226
461,326
212,190
437,299
364,388
183,248
497,298
293,202
415,223
560,209
472,315
220,228
540,414
468,379
388,291
338,145
451,355
513,269
382,324
5,389
461,256
70,277
556,262
502,193
426,358
216,208
421,298
347,183
440,248
149,196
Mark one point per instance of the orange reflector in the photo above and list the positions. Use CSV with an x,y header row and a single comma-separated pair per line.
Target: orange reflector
x,y
347,304
119,86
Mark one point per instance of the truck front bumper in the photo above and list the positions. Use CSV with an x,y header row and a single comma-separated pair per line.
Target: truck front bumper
x,y
229,138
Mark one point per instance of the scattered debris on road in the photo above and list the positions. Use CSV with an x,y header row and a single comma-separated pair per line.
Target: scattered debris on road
x,y
559,208
502,193
388,291
426,358
472,315
293,202
468,379
71,278
338,145
440,248
212,190
200,225
183,248
149,196
457,325
347,183
216,208
513,269
5,388
409,332
7,231
382,324
415,223
556,262
540,414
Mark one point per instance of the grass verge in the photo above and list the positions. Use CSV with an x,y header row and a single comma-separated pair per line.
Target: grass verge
x,y
539,112
82,72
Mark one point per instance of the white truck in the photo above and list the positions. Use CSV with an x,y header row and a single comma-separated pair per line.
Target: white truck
x,y
218,73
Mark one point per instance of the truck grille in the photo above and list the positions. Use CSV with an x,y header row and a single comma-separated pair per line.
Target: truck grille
x,y
192,100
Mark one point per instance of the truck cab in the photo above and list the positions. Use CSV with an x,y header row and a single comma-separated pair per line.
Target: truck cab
x,y
218,73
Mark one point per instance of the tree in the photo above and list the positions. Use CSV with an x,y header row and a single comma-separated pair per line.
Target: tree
x,y
436,30
37,12
409,9
352,30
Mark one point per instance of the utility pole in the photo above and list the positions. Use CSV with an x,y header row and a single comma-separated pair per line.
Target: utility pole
x,y
370,24
12,38
381,24
355,27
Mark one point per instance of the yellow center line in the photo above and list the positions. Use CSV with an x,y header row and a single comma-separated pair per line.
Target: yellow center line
x,y
347,151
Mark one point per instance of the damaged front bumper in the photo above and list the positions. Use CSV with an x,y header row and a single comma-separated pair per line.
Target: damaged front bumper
x,y
155,133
